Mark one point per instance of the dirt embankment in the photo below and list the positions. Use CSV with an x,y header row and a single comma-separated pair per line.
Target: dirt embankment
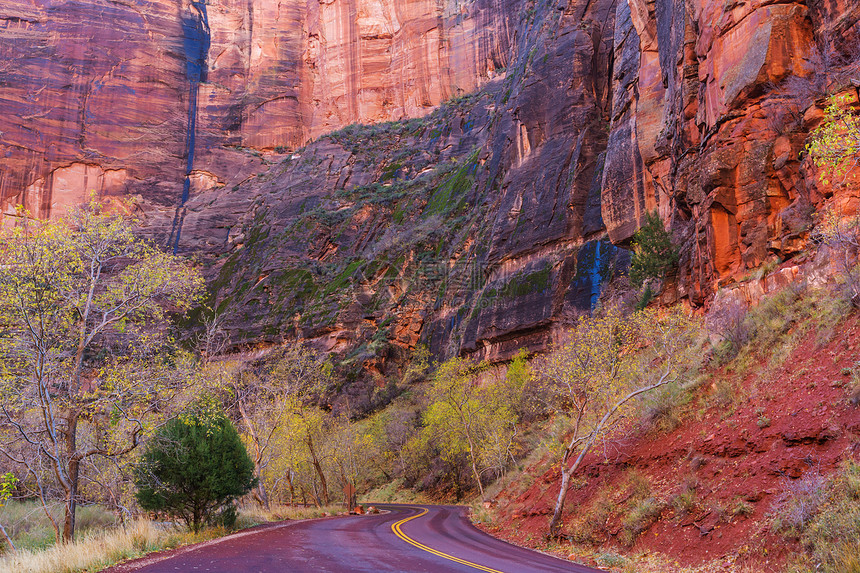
x,y
705,492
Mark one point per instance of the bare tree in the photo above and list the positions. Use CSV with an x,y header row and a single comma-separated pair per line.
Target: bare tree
x,y
728,320
593,379
841,235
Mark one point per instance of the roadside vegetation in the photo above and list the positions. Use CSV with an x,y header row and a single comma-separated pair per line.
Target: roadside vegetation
x,y
112,404
451,430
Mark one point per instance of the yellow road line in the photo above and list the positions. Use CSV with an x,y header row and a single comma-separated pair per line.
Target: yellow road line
x,y
395,527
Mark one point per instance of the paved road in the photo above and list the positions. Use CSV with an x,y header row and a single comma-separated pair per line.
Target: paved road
x,y
431,539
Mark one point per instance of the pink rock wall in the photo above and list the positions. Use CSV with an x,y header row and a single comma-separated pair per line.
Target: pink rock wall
x,y
106,85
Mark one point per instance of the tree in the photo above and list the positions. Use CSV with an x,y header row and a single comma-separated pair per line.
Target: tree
x,y
593,378
266,399
81,300
834,145
273,401
466,418
842,236
194,465
300,445
653,251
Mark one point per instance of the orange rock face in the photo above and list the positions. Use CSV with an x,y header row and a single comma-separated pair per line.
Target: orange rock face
x,y
713,102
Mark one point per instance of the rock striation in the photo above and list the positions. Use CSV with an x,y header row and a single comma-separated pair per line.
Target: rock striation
x,y
131,97
508,149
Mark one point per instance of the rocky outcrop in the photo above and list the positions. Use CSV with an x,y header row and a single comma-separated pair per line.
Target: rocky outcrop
x,y
478,226
712,106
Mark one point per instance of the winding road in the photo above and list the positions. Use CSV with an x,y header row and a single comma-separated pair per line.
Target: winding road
x,y
426,538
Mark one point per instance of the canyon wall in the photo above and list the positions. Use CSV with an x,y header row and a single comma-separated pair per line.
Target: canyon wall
x,y
712,108
477,226
130,97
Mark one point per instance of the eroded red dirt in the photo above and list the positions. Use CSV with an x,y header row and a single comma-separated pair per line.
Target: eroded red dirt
x,y
774,428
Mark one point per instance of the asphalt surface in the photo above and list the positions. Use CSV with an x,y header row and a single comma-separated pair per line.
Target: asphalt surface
x,y
429,538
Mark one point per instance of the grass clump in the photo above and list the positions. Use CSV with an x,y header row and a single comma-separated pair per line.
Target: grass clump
x,y
610,559
830,528
642,515
743,509
662,410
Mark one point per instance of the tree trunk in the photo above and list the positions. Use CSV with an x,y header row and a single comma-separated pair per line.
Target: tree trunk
x,y
475,469
559,503
555,522
318,467
260,491
71,502
260,494
73,478
7,538
478,479
290,484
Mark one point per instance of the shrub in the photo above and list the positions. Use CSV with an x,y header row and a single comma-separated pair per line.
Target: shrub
x,y
728,320
799,503
662,409
854,395
685,501
642,515
834,145
742,508
653,251
611,559
831,533
195,465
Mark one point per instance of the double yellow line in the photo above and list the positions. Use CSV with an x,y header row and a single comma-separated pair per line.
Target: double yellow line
x,y
395,527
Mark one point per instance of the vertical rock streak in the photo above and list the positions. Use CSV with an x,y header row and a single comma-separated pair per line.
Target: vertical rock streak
x,y
195,43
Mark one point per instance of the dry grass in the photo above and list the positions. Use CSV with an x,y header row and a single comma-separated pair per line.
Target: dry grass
x,y
646,561
254,515
394,492
98,548
27,524
91,553
830,528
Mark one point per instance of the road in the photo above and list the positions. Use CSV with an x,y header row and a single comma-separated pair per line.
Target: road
x,y
429,538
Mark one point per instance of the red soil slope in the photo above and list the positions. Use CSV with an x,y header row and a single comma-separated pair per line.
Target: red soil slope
x,y
739,447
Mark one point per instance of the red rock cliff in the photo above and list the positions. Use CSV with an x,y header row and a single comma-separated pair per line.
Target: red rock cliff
x,y
587,114
713,102
117,96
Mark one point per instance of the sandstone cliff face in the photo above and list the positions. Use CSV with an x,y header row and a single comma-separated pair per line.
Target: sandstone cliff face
x,y
478,228
474,230
129,98
713,103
